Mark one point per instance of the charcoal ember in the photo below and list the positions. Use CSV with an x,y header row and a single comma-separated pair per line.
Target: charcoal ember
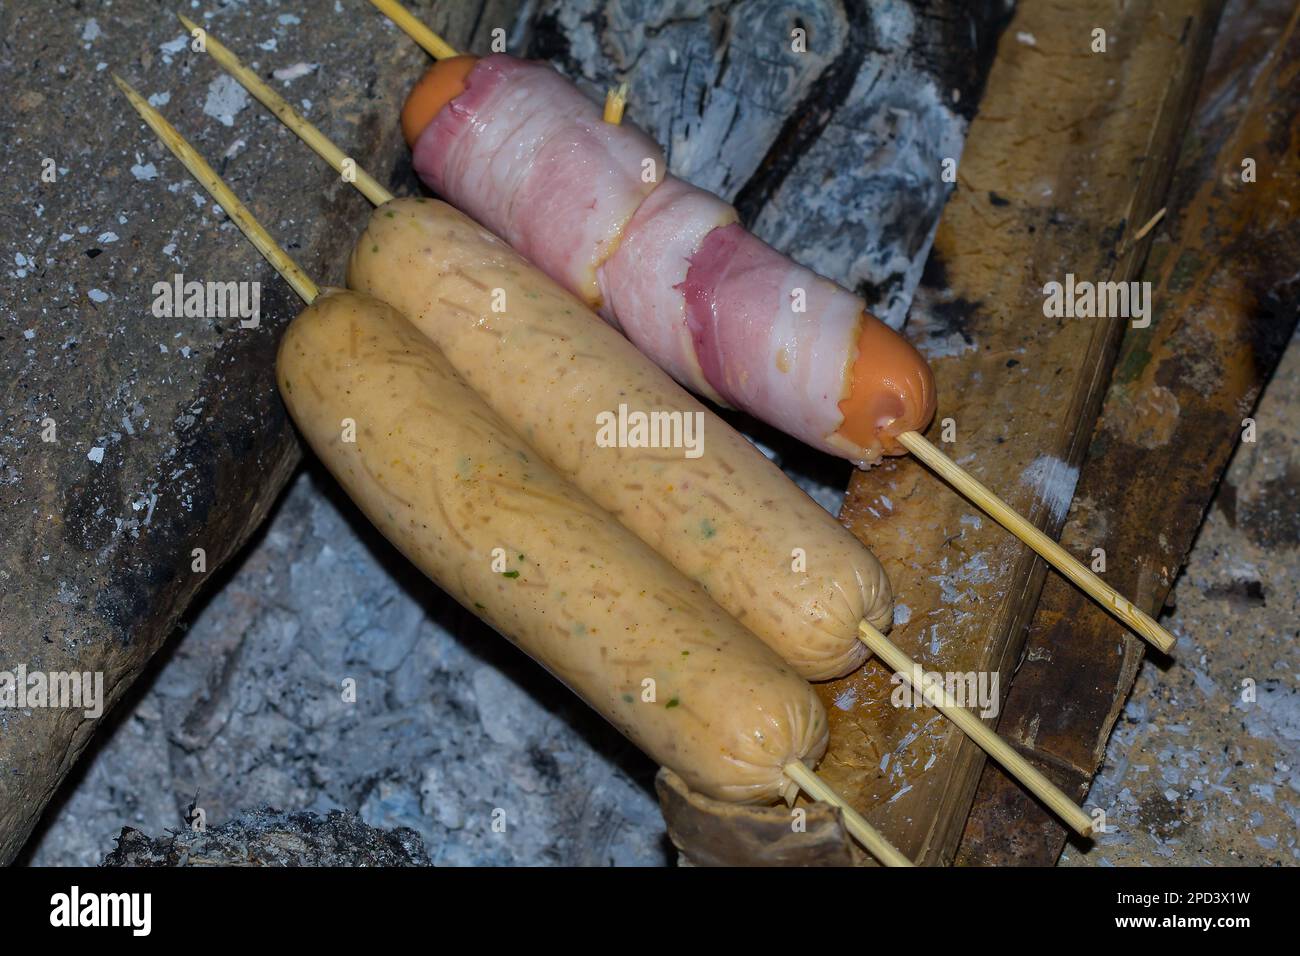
x,y
824,123
268,837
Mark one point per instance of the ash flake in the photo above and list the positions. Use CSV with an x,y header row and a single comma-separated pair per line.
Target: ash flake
x,y
290,73
1054,481
225,98
172,47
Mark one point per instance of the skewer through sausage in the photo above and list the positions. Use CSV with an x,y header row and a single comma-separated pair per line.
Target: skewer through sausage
x,y
728,519
524,152
447,482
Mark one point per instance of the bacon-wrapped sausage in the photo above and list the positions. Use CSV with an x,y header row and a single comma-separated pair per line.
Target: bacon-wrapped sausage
x,y
524,152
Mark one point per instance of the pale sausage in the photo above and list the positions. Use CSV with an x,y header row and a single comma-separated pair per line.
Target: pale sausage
x,y
728,519
446,481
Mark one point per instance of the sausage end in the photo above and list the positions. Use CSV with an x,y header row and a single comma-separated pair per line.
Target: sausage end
x,y
441,83
891,391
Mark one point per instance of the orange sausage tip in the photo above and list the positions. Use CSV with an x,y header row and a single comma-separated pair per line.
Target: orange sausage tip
x,y
441,83
892,390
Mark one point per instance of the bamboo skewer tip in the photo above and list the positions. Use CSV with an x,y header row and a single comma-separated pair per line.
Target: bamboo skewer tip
x,y
968,485
615,104
207,177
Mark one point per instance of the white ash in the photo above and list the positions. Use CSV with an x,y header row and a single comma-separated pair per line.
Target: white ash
x,y
225,98
290,73
1054,481
956,587
172,47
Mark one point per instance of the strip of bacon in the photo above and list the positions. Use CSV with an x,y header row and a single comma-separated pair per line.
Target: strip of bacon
x,y
524,152
527,155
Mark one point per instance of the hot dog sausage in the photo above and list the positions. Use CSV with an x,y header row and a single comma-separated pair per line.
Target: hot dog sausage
x,y
523,151
446,481
728,519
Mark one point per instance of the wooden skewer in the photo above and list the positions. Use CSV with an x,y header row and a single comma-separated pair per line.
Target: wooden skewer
x,y
997,748
320,144
219,191
1105,595
437,47
854,822
797,770
1111,600
615,104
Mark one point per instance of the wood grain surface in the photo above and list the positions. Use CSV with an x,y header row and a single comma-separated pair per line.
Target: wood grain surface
x,y
1070,154
1222,267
